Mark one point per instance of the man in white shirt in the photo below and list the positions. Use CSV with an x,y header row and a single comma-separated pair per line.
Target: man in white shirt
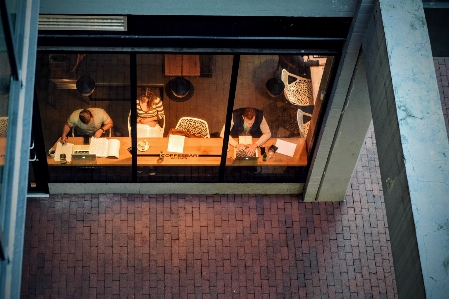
x,y
91,122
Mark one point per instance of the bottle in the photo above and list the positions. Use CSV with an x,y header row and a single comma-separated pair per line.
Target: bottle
x,y
264,157
161,157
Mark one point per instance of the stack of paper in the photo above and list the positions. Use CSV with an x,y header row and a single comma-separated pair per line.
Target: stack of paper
x,y
64,149
176,143
286,148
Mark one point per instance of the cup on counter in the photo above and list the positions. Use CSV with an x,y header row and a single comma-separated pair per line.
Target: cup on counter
x,y
63,157
51,152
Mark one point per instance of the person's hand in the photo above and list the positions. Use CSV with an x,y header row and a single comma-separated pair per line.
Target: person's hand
x,y
98,133
240,146
63,140
151,123
251,149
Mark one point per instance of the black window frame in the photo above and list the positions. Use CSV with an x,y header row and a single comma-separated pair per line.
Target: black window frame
x,y
208,35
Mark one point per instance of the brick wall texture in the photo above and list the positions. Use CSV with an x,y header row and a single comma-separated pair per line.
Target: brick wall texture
x,y
216,246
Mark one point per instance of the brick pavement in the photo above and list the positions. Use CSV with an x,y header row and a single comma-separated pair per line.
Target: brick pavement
x,y
217,246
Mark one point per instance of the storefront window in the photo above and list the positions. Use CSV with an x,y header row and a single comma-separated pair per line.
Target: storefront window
x,y
177,105
274,108
100,83
184,146
5,80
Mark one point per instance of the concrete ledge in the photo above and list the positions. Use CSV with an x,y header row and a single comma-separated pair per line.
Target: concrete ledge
x,y
177,188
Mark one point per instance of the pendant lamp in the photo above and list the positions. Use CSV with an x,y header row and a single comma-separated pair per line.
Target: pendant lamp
x,y
85,84
179,89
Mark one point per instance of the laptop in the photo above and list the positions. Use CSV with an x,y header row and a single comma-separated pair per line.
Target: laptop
x,y
241,155
83,158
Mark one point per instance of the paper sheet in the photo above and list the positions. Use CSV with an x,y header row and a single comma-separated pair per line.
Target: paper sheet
x,y
285,148
176,143
147,131
103,147
64,149
98,146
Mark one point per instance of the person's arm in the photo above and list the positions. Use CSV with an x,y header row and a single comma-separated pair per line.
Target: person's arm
x,y
266,134
65,131
104,128
160,109
152,121
231,140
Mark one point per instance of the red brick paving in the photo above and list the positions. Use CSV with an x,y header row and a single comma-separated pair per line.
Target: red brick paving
x,y
211,246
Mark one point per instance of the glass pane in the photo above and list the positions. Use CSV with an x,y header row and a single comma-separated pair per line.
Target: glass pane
x,y
282,94
13,7
65,85
5,79
193,90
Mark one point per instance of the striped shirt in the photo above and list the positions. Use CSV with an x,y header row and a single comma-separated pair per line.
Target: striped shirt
x,y
157,109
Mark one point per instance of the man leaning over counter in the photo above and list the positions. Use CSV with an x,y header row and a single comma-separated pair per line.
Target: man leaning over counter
x,y
248,121
90,122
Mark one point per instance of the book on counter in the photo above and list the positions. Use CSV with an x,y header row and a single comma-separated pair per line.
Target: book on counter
x,y
103,147
245,139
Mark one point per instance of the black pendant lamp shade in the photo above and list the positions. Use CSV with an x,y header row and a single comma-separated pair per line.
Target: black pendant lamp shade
x,y
275,87
179,89
85,85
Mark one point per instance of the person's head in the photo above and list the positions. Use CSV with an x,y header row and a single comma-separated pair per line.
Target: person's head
x,y
148,98
249,116
86,116
144,99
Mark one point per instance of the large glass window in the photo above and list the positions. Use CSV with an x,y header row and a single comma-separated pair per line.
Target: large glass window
x,y
100,83
189,94
177,106
276,108
5,79
8,66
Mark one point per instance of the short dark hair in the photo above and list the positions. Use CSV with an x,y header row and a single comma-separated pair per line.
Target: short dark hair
x,y
85,116
249,113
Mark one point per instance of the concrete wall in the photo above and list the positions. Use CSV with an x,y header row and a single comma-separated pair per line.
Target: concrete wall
x,y
305,8
412,146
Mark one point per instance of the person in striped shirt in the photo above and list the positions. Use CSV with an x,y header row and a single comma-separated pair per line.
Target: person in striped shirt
x,y
150,110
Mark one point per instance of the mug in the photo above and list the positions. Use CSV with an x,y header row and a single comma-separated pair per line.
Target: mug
x,y
51,152
62,157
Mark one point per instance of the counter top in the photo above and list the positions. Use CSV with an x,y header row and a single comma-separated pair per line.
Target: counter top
x,y
197,152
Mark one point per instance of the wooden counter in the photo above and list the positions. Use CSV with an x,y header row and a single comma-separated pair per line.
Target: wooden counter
x,y
298,159
197,152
